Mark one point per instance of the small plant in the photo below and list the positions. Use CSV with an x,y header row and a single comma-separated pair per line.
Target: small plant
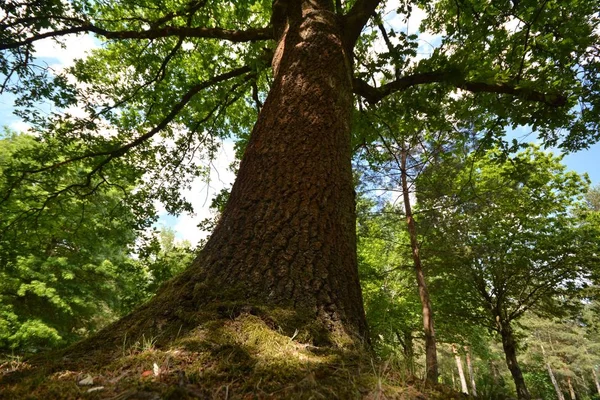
x,y
145,344
140,346
10,363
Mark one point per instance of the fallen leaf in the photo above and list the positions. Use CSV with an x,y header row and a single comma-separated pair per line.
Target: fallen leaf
x,y
147,373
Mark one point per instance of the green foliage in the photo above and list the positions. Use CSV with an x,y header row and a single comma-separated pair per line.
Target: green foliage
x,y
387,279
59,260
508,235
568,345
65,264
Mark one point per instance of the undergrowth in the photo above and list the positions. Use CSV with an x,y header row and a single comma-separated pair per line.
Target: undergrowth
x,y
242,357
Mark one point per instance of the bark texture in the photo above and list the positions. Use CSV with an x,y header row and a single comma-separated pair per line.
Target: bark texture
x,y
510,352
286,240
287,235
431,363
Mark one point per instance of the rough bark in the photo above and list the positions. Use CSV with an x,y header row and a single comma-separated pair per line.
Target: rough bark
x,y
286,239
461,373
510,352
287,235
431,364
471,373
559,393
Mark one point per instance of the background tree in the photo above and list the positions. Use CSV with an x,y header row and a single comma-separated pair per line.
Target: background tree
x,y
63,264
513,240
391,303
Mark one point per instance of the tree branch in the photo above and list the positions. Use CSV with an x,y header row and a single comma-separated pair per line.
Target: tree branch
x,y
168,118
373,95
249,35
356,19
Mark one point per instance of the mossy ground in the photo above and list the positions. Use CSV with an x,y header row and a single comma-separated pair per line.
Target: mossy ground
x,y
242,357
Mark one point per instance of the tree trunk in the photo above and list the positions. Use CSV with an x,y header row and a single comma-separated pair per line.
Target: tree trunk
x,y
288,233
596,379
510,352
406,340
584,383
494,371
287,237
470,368
559,393
461,373
431,364
571,390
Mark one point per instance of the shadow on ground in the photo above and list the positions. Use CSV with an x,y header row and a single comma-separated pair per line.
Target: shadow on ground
x,y
242,356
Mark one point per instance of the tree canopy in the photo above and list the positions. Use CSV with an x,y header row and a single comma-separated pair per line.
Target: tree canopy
x,y
185,73
301,86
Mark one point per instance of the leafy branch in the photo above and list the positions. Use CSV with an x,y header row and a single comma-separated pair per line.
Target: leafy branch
x,y
248,35
124,148
375,94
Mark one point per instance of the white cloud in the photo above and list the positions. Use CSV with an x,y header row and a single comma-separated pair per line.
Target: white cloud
x,y
19,126
74,47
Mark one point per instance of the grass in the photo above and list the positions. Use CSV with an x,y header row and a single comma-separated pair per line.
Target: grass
x,y
241,356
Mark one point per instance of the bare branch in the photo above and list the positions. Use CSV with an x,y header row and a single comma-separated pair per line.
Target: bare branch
x,y
356,19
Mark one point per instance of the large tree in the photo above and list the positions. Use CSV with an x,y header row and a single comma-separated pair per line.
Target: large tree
x,y
171,76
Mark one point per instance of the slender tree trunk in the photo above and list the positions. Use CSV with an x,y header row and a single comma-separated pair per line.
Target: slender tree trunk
x,y
596,379
431,363
287,237
510,352
494,372
571,390
552,377
453,381
584,382
470,368
406,340
461,373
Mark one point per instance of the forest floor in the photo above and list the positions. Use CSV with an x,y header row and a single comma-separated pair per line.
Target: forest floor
x,y
228,358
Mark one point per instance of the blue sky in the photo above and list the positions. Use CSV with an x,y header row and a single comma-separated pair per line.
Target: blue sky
x,y
586,161
583,162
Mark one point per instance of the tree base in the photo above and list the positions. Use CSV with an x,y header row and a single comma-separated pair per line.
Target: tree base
x,y
235,356
192,341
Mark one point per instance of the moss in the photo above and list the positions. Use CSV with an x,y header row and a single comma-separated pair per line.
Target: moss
x,y
249,353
